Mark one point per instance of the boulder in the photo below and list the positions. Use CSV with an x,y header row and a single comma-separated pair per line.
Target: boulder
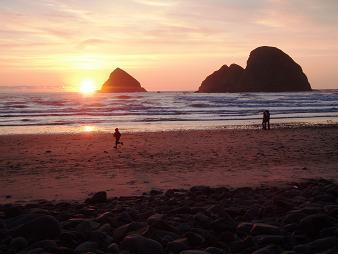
x,y
312,224
268,69
141,245
18,243
323,244
98,197
86,247
214,250
178,245
264,229
38,228
130,228
194,252
271,249
120,81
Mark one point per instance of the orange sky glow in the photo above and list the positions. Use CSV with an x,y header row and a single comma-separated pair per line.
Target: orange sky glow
x,y
57,45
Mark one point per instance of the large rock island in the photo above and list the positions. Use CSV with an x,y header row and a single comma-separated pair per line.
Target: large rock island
x,y
121,82
268,69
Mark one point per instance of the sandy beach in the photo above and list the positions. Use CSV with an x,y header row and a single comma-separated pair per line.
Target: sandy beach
x,y
71,166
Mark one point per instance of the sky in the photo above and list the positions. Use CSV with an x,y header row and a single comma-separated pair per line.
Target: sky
x,y
167,45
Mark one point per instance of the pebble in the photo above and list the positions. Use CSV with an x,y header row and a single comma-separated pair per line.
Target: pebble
x,y
86,246
271,249
264,229
313,223
39,228
214,250
98,197
18,243
137,244
193,252
178,245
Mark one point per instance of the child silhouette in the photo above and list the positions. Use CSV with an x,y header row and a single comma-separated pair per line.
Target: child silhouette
x,y
117,136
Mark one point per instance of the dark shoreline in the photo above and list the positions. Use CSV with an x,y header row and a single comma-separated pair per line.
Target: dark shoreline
x,y
298,217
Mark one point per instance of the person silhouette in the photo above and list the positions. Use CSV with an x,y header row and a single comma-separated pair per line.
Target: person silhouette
x,y
117,136
266,119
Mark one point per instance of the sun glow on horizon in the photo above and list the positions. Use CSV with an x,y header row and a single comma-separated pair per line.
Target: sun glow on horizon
x,y
88,86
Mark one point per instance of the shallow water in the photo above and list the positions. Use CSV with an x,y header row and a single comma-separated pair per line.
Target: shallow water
x,y
72,112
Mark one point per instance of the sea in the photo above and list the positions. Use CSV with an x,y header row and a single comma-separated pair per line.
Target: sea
x,y
32,113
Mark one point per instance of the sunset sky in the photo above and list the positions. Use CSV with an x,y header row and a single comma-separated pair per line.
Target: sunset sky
x,y
166,45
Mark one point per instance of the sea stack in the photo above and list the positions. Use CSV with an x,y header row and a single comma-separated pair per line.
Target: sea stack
x,y
120,81
268,69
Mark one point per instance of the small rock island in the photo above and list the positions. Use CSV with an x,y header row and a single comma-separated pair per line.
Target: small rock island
x,y
120,81
268,69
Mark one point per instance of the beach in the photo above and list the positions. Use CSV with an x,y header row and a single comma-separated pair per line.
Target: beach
x,y
72,166
176,192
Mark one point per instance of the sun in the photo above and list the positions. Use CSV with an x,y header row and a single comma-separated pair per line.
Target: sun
x,y
87,86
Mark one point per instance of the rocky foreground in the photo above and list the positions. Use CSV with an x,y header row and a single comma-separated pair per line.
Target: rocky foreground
x,y
297,218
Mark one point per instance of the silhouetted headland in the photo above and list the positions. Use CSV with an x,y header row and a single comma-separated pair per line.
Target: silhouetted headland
x,y
120,81
268,69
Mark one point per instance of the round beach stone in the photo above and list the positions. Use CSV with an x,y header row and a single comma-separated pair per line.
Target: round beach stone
x,y
12,211
200,188
2,225
264,229
244,228
194,252
137,244
120,232
39,228
106,227
155,218
194,239
18,243
36,251
302,248
86,226
178,245
214,250
263,240
113,248
312,224
222,224
271,249
48,245
202,219
98,197
86,246
323,244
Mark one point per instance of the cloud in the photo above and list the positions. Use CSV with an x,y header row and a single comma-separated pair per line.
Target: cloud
x,y
54,34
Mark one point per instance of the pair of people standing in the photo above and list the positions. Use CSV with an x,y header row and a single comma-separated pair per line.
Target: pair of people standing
x,y
266,120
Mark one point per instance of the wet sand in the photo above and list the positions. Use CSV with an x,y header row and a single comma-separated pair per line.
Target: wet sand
x,y
71,166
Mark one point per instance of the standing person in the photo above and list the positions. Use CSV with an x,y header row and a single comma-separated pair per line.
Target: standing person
x,y
117,136
266,119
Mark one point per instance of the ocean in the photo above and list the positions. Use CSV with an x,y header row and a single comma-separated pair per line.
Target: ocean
x,y
22,113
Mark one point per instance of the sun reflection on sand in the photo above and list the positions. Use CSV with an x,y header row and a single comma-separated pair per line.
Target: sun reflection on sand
x,y
89,128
